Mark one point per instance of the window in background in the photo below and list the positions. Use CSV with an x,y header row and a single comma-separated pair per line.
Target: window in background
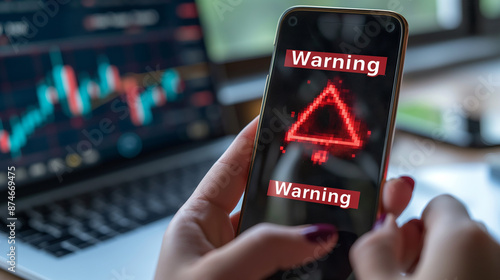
x,y
490,8
238,29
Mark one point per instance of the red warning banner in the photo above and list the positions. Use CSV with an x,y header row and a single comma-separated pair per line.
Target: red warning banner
x,y
337,197
365,64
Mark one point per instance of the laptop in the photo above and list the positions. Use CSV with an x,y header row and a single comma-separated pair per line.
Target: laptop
x,y
108,121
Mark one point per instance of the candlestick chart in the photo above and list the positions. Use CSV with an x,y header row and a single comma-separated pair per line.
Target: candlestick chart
x,y
74,92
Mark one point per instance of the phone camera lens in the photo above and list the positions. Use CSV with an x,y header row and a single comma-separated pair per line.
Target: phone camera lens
x,y
292,21
390,27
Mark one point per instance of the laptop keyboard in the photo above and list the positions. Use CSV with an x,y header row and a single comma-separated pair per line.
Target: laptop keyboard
x,y
67,226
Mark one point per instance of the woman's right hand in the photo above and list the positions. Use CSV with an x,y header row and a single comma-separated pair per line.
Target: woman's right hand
x,y
444,245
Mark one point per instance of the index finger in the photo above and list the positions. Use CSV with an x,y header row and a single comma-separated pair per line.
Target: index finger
x,y
444,210
450,238
225,182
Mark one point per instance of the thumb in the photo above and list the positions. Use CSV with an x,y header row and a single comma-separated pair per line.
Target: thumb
x,y
267,248
375,255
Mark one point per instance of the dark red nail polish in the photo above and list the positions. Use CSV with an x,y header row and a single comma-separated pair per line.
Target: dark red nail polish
x,y
409,180
418,223
380,221
319,232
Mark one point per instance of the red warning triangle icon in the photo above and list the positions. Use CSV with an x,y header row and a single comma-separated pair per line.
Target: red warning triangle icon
x,y
349,138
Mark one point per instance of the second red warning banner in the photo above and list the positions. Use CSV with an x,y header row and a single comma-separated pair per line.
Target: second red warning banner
x,y
310,193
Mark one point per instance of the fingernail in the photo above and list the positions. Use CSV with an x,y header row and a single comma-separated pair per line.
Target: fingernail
x,y
319,232
418,223
409,180
380,222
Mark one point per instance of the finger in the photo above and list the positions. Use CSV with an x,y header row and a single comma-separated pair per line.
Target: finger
x,y
225,182
412,235
448,229
455,245
444,211
266,248
397,194
443,217
235,219
376,254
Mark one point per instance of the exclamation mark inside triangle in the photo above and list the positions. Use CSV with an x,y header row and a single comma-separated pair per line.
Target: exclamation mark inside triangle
x,y
335,130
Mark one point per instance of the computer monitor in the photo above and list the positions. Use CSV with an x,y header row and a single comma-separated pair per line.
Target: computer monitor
x,y
239,30
88,85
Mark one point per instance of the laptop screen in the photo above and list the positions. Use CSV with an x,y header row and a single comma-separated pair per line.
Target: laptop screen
x,y
84,84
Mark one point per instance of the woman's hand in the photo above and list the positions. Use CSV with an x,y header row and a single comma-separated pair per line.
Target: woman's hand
x,y
444,245
200,240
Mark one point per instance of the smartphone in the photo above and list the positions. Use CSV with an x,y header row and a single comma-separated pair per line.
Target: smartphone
x,y
326,127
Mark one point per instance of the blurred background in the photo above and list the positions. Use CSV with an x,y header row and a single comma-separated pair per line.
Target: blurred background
x,y
201,68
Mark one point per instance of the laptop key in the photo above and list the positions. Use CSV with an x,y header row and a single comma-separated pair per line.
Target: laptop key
x,y
33,214
137,212
83,234
27,231
79,243
48,241
35,238
101,227
58,218
68,246
58,250
98,203
155,205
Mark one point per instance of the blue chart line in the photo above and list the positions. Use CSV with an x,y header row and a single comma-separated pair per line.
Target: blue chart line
x,y
74,95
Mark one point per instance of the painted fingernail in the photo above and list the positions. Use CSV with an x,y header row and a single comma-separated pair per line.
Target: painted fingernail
x,y
418,223
380,221
319,232
409,180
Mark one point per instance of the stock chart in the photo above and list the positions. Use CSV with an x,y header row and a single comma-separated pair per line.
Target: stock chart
x,y
99,82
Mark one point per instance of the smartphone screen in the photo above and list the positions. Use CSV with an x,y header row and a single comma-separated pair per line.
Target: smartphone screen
x,y
326,127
